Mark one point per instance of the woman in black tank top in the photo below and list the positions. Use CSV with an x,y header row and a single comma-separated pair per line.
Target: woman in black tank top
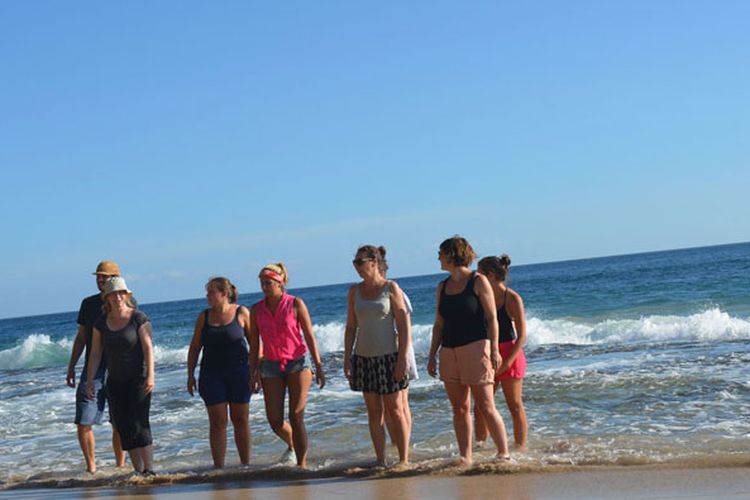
x,y
465,333
222,332
512,370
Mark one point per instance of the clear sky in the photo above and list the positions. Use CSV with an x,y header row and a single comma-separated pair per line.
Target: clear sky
x,y
189,139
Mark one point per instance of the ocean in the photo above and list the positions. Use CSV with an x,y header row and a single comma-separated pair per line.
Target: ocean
x,y
634,359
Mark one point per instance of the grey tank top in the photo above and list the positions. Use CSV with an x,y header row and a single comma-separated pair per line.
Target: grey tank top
x,y
376,335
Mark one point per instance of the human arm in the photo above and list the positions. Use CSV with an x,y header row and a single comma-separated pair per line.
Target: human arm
x,y
437,336
254,352
95,358
193,352
303,316
516,311
145,336
483,289
350,333
403,328
78,345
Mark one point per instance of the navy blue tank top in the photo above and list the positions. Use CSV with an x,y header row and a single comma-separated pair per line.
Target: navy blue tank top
x,y
224,346
463,316
507,332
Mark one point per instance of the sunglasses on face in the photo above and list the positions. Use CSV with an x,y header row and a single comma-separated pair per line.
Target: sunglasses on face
x,y
359,262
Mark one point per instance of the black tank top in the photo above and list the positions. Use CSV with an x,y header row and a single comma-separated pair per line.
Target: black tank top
x,y
507,332
224,346
463,316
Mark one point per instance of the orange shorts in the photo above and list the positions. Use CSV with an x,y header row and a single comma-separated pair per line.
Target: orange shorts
x,y
467,364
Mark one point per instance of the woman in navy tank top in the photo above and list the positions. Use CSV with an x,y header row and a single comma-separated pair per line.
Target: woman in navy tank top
x,y
466,334
222,332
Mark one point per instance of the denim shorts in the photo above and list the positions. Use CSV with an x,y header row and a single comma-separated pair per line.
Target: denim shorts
x,y
90,411
270,368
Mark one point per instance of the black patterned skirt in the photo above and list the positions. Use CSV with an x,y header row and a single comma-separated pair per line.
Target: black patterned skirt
x,y
375,374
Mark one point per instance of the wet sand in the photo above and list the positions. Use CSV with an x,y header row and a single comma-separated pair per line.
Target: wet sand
x,y
580,482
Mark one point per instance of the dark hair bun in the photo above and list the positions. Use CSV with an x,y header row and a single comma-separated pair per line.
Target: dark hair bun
x,y
504,260
381,251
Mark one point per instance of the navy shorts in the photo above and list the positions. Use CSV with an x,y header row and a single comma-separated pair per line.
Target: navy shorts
x,y
225,386
271,368
90,411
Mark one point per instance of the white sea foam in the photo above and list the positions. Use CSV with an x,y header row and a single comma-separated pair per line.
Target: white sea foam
x,y
36,350
712,324
39,350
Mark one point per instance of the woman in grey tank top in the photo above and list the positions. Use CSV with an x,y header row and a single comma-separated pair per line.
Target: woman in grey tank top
x,y
375,352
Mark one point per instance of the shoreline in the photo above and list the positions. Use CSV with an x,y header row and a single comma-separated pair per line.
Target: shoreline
x,y
435,478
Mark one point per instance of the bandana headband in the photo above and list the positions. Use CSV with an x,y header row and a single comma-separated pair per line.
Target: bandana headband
x,y
267,273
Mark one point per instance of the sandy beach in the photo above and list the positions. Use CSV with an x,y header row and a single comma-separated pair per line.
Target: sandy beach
x,y
581,482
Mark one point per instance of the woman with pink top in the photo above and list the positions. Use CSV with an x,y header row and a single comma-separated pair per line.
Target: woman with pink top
x,y
281,320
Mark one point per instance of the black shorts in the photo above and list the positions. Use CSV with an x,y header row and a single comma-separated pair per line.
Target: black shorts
x,y
225,386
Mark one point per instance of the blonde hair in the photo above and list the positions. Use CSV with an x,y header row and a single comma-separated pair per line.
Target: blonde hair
x,y
106,307
280,269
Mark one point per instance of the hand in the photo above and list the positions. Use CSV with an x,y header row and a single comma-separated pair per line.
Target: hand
x,y
71,377
320,376
399,371
148,385
90,389
495,359
348,368
255,382
502,368
432,366
191,384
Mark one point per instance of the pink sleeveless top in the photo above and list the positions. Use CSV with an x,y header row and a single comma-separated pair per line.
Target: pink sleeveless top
x,y
281,332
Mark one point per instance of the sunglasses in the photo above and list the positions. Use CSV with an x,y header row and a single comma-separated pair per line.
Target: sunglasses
x,y
359,262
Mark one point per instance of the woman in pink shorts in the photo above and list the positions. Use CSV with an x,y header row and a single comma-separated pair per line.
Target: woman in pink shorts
x,y
513,367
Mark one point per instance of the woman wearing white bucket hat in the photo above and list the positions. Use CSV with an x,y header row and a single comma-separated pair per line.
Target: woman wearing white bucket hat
x,y
123,333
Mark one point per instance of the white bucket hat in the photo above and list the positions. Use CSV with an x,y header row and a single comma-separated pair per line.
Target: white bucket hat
x,y
115,284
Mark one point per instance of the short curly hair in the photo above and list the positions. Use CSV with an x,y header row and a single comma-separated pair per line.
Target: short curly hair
x,y
458,250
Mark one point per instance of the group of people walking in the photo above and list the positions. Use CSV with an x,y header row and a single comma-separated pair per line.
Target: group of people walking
x,y
477,346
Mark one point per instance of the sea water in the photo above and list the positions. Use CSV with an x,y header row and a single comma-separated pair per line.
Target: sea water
x,y
635,359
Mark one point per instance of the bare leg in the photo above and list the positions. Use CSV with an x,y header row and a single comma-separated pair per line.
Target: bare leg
x,y
407,413
87,442
274,390
217,425
142,458
458,395
117,448
299,385
480,427
513,391
407,408
136,460
374,403
147,457
394,408
484,403
240,415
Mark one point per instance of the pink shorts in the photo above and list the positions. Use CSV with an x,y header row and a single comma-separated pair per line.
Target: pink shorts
x,y
518,368
467,364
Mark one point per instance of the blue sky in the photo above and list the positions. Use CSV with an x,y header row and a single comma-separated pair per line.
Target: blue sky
x,y
192,139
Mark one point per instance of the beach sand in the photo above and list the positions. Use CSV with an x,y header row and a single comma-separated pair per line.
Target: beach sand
x,y
574,483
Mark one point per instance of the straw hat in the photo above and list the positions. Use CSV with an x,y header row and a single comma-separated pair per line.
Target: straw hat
x,y
107,268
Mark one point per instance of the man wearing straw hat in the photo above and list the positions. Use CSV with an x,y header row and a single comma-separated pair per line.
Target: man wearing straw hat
x,y
91,411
